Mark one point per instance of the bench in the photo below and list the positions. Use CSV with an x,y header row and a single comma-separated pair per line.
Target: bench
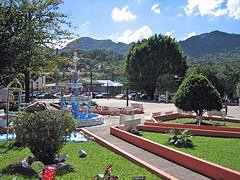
x,y
216,113
131,124
137,106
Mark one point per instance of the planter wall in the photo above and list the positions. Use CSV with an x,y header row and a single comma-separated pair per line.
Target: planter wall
x,y
201,132
128,156
191,126
204,167
175,115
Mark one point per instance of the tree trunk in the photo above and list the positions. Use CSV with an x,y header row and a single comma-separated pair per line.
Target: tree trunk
x,y
27,88
199,116
151,91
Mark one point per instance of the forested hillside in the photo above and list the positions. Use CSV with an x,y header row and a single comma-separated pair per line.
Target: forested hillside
x,y
89,44
205,49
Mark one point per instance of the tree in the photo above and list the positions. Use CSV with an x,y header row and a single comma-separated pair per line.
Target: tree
x,y
211,73
150,58
32,26
196,93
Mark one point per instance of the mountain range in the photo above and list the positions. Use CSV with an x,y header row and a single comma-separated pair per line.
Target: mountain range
x,y
197,46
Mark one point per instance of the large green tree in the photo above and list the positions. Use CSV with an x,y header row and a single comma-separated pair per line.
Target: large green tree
x,y
224,77
150,58
197,94
29,27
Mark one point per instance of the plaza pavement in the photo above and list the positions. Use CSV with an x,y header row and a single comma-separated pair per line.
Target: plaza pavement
x,y
103,131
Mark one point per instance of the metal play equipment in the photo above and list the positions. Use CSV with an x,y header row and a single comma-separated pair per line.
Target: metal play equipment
x,y
14,93
84,117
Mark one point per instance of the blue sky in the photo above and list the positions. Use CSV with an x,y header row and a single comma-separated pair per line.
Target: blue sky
x,y
131,20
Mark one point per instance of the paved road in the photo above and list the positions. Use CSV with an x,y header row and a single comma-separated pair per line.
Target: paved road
x,y
233,111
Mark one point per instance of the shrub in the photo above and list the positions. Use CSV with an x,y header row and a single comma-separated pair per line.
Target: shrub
x,y
43,132
197,94
181,139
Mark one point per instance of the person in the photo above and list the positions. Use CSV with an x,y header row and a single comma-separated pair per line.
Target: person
x,y
226,107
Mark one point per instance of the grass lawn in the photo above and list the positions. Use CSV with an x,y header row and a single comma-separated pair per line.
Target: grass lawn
x,y
191,120
79,168
222,151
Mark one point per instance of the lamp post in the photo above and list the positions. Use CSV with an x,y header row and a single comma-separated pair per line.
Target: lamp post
x,y
91,82
127,95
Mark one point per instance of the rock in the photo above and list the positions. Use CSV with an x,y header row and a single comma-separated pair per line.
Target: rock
x,y
37,106
82,154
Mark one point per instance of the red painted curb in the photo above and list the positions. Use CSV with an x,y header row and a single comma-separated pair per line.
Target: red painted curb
x,y
196,164
129,156
194,131
191,126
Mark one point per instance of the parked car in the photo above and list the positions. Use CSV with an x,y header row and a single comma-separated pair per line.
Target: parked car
x,y
144,97
103,95
46,96
162,98
120,96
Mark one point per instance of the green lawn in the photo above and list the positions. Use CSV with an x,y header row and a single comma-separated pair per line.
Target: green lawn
x,y
80,168
222,151
191,120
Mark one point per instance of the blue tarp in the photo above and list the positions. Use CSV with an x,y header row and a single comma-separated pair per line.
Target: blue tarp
x,y
4,137
74,137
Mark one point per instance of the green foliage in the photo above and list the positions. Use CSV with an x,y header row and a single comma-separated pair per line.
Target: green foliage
x,y
210,43
197,94
96,161
150,58
43,132
32,26
223,77
213,149
181,138
89,44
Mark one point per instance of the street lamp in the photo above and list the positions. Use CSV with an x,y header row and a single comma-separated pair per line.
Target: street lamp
x,y
127,95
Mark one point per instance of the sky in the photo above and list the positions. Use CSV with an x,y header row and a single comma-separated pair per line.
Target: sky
x,y
132,20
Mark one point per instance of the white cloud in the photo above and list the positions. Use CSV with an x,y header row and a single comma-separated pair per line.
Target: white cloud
x,y
123,14
170,34
155,8
190,35
204,7
139,1
84,26
233,7
214,8
129,35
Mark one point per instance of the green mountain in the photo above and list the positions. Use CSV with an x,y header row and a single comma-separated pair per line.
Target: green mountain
x,y
211,43
207,49
212,48
89,44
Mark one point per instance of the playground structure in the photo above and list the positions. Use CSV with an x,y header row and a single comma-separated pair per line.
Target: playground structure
x,y
84,117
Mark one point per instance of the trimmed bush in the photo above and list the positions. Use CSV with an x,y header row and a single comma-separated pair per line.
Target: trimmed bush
x,y
43,133
197,94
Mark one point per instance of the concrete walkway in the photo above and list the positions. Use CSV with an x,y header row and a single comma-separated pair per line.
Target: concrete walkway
x,y
103,131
